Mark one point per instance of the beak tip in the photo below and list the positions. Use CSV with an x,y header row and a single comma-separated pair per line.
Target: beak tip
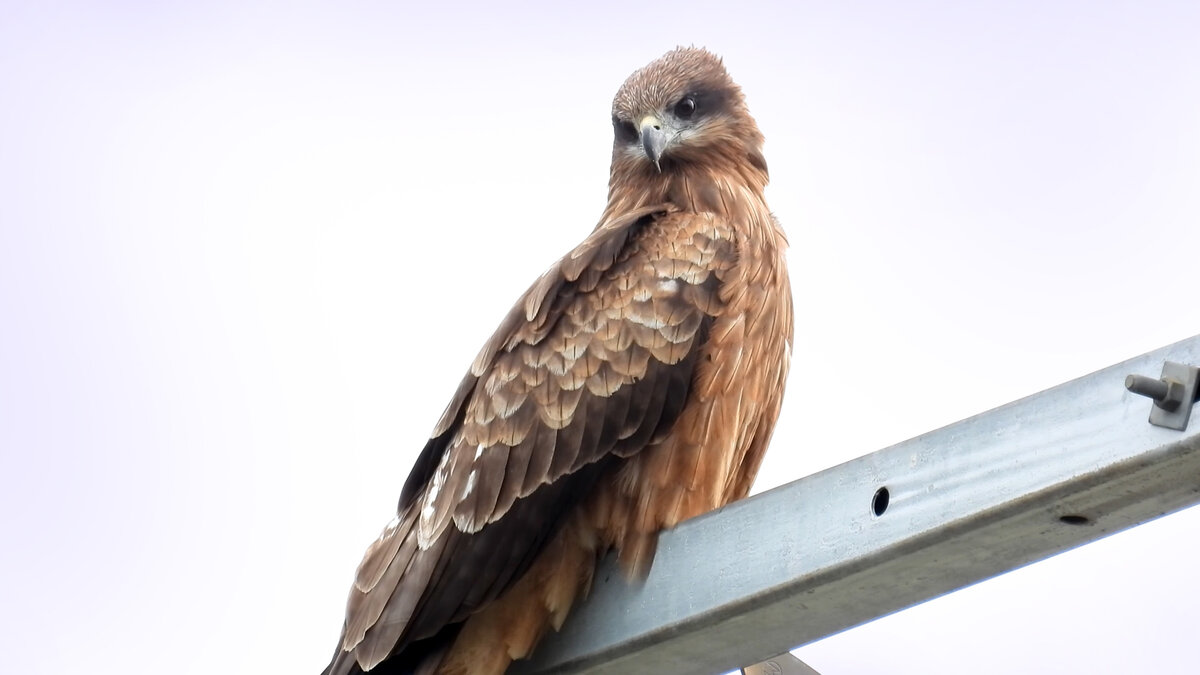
x,y
654,141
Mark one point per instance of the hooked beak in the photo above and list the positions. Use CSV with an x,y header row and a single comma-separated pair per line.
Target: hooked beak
x,y
654,139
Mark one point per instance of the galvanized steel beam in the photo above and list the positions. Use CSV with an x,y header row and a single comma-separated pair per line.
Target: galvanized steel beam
x,y
890,530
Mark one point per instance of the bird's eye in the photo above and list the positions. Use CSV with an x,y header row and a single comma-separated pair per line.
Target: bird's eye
x,y
625,131
685,108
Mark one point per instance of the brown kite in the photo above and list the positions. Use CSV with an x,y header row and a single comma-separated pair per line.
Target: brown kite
x,y
635,385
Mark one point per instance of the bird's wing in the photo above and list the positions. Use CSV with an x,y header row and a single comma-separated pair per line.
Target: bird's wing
x,y
594,362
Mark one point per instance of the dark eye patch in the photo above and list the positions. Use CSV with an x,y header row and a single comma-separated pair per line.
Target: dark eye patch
x,y
624,130
700,102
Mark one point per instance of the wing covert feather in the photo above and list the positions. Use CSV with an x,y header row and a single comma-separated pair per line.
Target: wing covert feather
x,y
595,361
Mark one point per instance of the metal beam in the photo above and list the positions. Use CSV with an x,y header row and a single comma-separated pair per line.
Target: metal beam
x,y
964,503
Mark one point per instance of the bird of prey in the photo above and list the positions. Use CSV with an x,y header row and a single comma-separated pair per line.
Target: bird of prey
x,y
634,385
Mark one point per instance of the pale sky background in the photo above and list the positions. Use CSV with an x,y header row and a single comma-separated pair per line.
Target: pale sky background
x,y
248,249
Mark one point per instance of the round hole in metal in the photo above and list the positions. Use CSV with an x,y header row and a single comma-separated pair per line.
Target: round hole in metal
x,y
879,502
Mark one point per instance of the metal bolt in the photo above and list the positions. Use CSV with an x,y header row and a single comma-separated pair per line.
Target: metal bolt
x,y
1167,394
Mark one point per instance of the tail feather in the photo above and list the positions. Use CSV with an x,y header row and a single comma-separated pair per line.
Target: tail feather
x,y
421,657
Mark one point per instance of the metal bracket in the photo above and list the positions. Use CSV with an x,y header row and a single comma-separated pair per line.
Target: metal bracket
x,y
1173,394
784,664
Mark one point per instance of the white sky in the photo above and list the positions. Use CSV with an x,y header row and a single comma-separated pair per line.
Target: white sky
x,y
246,252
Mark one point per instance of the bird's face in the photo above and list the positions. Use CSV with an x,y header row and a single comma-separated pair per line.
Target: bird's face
x,y
681,109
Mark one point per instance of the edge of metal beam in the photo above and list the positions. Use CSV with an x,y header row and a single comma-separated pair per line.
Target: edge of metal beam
x,y
964,503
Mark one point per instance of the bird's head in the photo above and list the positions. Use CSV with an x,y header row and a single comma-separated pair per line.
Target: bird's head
x,y
682,110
